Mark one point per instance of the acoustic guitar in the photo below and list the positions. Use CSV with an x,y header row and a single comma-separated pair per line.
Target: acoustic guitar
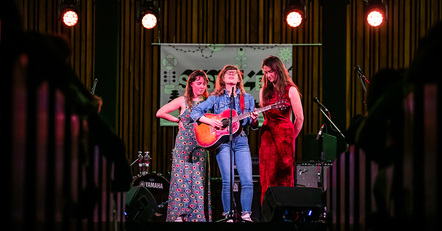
x,y
211,138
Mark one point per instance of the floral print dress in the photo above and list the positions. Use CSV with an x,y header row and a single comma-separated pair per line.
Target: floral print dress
x,y
188,176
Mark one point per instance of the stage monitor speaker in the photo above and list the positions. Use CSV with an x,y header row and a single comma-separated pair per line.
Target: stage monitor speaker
x,y
292,204
308,174
310,148
140,208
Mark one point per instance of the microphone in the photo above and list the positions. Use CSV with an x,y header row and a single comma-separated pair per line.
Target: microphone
x,y
361,77
233,88
358,69
320,132
316,100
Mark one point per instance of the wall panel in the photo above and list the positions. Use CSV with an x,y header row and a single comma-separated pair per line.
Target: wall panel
x,y
232,21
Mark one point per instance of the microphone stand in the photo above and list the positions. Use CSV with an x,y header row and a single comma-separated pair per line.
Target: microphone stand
x,y
232,214
331,122
321,177
320,139
362,78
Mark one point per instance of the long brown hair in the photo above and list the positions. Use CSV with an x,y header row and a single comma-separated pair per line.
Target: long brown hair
x,y
220,85
282,81
188,94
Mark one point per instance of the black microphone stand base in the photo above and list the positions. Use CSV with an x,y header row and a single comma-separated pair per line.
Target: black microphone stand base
x,y
233,217
230,217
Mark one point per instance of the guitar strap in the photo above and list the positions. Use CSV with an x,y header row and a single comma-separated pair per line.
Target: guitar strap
x,y
243,106
241,102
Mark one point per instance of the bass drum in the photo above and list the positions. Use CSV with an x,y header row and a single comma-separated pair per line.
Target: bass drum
x,y
159,187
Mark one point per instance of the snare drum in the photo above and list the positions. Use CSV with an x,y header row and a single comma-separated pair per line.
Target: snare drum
x,y
159,187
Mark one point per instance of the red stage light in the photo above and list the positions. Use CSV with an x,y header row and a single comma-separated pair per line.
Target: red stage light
x,y
376,13
148,14
294,18
149,20
294,12
70,17
375,18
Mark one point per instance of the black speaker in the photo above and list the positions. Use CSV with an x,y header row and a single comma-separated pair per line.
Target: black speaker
x,y
140,208
308,174
310,147
292,204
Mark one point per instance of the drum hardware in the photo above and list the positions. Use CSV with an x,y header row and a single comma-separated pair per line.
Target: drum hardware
x,y
158,186
162,204
143,163
161,209
155,183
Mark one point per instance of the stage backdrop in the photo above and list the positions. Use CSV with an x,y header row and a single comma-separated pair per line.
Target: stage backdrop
x,y
179,60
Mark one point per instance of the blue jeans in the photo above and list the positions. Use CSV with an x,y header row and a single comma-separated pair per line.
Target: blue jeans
x,y
243,163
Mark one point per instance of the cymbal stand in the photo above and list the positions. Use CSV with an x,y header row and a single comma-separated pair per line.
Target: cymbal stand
x,y
144,163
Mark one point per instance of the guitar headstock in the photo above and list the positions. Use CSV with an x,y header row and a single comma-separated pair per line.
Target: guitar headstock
x,y
281,105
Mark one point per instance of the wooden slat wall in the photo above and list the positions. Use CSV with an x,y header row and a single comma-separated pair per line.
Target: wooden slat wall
x,y
198,21
392,45
55,170
419,171
58,179
41,16
231,21
349,198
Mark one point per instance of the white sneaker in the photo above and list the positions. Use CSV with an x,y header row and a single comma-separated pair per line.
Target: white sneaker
x,y
179,219
246,217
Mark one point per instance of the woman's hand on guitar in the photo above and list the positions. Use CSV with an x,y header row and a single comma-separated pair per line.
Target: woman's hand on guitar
x,y
212,122
254,114
216,124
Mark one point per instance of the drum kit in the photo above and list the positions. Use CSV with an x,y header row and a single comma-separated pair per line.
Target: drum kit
x,y
154,185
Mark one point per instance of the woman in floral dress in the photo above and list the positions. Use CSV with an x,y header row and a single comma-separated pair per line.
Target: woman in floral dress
x,y
187,193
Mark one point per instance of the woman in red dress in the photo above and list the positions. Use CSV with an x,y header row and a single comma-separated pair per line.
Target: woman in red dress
x,y
278,133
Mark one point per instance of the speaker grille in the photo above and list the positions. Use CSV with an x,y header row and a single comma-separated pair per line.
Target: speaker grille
x,y
295,204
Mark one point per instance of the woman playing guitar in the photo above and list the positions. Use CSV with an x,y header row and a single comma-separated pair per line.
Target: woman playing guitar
x,y
229,82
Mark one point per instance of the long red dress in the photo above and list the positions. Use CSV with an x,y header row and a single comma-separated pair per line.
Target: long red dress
x,y
277,149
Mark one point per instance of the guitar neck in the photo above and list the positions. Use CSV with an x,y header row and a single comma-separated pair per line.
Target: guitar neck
x,y
248,114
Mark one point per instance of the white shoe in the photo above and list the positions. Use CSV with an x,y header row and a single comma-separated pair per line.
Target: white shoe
x,y
246,216
179,219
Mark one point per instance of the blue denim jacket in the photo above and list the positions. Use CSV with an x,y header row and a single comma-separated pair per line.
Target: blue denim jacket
x,y
221,103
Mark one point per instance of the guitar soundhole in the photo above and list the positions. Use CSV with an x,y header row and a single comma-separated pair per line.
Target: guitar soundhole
x,y
225,122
